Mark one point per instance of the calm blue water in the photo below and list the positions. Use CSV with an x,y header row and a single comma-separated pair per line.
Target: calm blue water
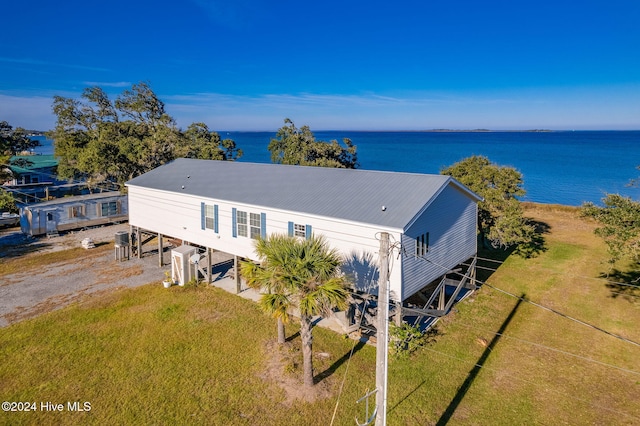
x,y
558,167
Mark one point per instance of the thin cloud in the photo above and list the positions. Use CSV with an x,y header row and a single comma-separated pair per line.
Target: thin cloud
x,y
108,84
328,111
368,111
31,61
329,100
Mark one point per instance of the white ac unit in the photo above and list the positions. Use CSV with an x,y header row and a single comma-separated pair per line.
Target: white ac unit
x,y
181,269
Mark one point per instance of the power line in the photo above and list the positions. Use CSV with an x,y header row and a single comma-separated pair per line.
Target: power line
x,y
611,282
595,327
344,378
537,304
490,260
481,267
553,272
532,383
624,294
555,350
580,276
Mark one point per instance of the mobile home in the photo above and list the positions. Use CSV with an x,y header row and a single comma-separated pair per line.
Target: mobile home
x,y
64,214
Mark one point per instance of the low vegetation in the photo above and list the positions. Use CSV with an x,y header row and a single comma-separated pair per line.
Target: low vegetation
x,y
200,355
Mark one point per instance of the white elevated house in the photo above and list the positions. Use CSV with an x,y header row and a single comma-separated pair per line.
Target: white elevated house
x,y
223,205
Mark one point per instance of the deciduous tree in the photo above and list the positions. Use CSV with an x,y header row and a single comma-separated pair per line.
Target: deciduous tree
x,y
98,139
300,147
208,145
500,215
620,225
7,202
13,142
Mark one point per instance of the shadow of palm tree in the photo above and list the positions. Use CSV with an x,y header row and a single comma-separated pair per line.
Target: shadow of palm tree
x,y
337,363
362,270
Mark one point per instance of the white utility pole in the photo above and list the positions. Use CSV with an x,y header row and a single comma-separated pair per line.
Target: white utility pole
x,y
382,344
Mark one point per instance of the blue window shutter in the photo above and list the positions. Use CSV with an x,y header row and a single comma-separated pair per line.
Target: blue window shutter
x,y
291,229
202,218
215,219
234,223
263,225
307,231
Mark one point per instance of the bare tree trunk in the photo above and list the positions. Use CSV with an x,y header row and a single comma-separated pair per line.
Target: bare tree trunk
x,y
281,335
307,354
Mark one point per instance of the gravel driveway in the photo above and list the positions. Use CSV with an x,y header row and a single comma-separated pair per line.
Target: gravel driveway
x,y
32,292
29,293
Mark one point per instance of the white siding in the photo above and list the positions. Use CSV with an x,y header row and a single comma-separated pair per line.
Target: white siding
x,y
450,221
180,216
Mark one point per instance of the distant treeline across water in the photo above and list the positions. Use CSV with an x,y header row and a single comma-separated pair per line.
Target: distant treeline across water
x,y
558,167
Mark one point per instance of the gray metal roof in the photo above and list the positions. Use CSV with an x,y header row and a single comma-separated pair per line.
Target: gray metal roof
x,y
354,195
74,199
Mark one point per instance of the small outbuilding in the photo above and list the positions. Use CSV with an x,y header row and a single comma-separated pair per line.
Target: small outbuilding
x,y
223,205
67,213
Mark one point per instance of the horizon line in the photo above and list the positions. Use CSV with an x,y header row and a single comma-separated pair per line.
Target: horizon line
x,y
437,130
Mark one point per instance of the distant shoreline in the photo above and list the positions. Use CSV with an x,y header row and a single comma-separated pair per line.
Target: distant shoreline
x,y
469,131
36,133
316,131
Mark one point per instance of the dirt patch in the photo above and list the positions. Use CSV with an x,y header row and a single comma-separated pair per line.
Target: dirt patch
x,y
284,368
40,281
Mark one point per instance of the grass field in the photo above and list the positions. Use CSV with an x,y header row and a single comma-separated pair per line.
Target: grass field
x,y
199,355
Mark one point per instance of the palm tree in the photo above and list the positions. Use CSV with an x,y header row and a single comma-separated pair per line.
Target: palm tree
x,y
302,274
274,299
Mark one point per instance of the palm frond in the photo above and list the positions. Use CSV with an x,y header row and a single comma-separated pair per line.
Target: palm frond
x,y
298,272
277,305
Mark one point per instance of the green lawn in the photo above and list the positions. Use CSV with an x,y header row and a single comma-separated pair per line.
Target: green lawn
x,y
200,355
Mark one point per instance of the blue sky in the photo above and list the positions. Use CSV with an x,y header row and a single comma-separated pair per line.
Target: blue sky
x,y
333,65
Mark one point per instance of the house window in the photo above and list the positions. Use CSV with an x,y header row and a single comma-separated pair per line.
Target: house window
x,y
208,216
254,224
422,244
299,230
76,211
109,208
241,218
